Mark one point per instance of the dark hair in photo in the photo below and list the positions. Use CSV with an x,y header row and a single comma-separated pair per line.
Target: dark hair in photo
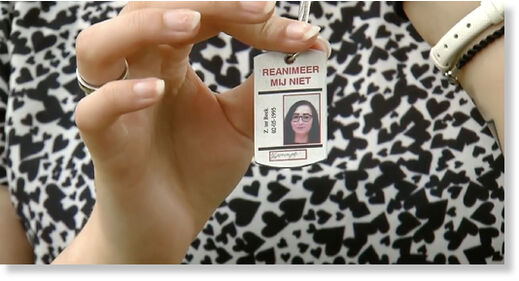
x,y
314,134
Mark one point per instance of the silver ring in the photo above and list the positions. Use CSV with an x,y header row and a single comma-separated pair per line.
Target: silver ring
x,y
88,88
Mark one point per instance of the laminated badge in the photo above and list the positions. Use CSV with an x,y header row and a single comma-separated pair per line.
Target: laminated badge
x,y
290,109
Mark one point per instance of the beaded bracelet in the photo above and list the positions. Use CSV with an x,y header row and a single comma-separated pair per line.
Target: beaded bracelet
x,y
478,47
465,58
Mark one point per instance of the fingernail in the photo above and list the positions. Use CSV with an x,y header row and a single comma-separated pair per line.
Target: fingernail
x,y
301,31
258,7
328,46
149,88
181,20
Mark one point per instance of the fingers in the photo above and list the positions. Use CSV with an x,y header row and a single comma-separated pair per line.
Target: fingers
x,y
275,34
102,47
229,11
98,114
322,45
249,21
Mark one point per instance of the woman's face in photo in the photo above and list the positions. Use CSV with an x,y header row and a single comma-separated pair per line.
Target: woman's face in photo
x,y
302,120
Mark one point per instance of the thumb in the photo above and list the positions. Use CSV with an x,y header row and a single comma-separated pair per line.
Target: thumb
x,y
237,105
98,115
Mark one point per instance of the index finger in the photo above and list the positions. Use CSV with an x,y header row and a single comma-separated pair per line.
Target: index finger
x,y
275,34
231,11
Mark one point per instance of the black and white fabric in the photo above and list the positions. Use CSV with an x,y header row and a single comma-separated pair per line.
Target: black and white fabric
x,y
413,173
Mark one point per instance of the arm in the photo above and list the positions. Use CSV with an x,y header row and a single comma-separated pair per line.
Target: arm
x,y
150,136
14,247
483,76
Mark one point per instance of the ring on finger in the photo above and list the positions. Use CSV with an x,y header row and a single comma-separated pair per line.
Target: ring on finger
x,y
88,88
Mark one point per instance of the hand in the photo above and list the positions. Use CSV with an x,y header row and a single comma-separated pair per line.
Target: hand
x,y
166,150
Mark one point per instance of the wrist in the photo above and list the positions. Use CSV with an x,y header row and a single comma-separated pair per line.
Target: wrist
x,y
483,77
87,247
433,19
126,240
486,54
449,49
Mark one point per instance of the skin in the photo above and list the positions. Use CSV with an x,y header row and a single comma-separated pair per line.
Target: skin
x,y
300,128
152,202
151,135
14,246
483,76
157,192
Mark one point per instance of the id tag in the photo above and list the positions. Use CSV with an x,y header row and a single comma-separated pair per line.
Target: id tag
x,y
290,109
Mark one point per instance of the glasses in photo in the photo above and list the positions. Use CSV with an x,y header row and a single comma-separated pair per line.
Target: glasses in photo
x,y
304,117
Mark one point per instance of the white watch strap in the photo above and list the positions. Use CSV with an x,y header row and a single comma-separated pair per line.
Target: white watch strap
x,y
459,36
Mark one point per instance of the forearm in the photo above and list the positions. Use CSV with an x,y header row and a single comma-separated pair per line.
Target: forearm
x,y
483,76
104,242
14,246
88,247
